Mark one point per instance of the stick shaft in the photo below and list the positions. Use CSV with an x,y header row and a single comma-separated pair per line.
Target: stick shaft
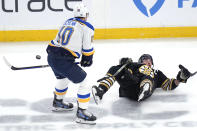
x,y
22,68
117,72
27,67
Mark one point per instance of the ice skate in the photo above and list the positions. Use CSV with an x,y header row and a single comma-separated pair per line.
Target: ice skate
x,y
97,93
145,90
59,105
85,117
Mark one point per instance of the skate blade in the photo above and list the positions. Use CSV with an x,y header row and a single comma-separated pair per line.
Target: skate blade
x,y
58,109
96,98
82,121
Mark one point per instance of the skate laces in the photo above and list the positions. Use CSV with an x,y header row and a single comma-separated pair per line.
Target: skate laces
x,y
84,113
62,104
87,113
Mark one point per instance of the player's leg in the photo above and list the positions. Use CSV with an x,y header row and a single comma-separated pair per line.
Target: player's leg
x,y
64,67
77,75
59,93
104,85
59,65
83,98
146,86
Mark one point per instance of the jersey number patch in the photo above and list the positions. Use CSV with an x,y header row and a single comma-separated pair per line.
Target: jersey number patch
x,y
65,34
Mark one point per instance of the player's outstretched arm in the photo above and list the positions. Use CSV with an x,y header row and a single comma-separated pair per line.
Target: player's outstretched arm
x,y
183,75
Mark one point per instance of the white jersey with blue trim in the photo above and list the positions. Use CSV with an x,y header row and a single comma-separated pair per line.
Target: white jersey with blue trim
x,y
75,36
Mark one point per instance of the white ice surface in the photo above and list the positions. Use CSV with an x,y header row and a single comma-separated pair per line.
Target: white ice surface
x,y
26,95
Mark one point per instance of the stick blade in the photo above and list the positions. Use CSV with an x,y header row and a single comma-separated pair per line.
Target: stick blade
x,y
7,63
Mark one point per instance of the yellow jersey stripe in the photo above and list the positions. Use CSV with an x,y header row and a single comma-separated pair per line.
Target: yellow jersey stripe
x,y
72,52
88,53
106,85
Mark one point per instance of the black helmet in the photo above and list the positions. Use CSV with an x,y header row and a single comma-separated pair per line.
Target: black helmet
x,y
144,57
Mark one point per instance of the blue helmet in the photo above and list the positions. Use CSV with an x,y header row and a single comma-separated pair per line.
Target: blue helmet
x,y
144,57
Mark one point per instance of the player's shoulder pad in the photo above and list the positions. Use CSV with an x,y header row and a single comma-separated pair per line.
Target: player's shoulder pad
x,y
85,23
144,66
144,69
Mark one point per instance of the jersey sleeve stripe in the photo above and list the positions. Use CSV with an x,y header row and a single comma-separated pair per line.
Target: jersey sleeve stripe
x,y
88,52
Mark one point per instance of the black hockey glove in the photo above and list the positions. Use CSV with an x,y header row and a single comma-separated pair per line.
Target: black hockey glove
x,y
86,61
125,60
183,74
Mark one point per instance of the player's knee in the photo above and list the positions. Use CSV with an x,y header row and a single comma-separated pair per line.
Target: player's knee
x,y
62,82
84,82
146,82
79,78
113,69
83,87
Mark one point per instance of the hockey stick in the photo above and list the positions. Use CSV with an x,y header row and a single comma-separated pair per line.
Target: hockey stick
x,y
27,67
117,72
22,68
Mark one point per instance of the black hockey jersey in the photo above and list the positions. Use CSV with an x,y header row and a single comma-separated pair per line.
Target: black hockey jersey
x,y
130,78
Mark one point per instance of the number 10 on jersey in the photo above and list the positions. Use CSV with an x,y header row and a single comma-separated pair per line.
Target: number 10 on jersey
x,y
65,35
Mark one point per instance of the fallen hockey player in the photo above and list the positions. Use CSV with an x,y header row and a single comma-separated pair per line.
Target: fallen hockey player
x,y
138,80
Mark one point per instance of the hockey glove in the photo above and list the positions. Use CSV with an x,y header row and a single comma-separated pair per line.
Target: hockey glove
x,y
86,61
125,60
183,74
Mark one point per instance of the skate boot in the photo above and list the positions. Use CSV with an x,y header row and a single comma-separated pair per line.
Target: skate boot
x,y
144,92
59,105
85,117
97,93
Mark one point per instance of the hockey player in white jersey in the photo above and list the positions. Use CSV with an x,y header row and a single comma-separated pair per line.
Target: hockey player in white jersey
x,y
74,40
